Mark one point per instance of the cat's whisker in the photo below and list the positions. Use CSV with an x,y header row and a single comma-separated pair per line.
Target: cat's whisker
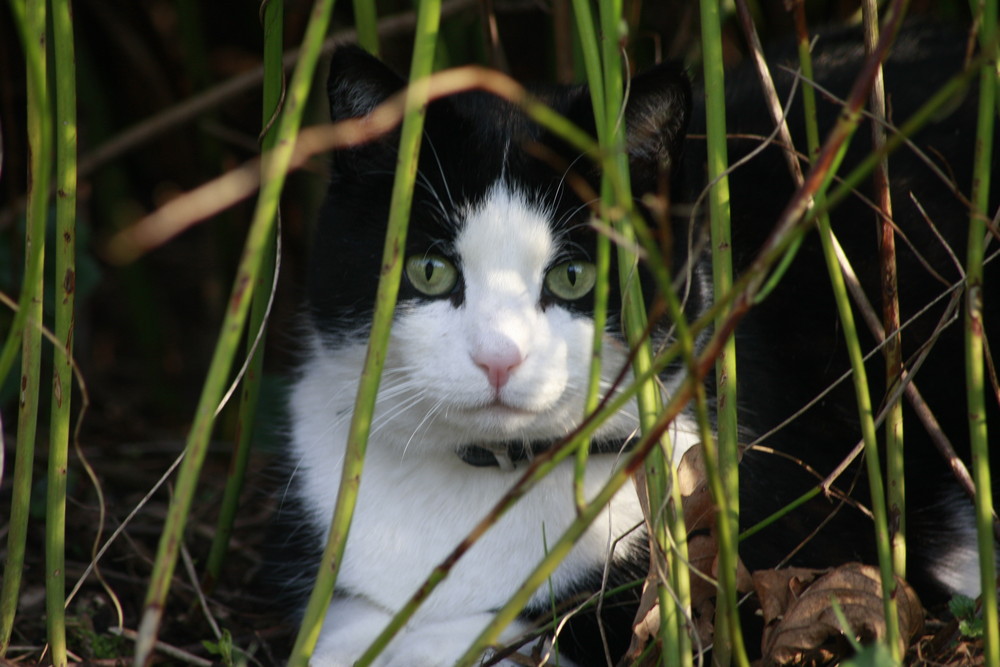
x,y
382,421
427,420
437,160
562,179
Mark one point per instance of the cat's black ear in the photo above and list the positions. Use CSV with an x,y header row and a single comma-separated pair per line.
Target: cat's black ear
x,y
358,83
656,117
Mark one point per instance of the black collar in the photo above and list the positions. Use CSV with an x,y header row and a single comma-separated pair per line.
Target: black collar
x,y
508,455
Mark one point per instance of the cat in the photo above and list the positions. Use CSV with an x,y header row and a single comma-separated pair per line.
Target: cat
x,y
490,349
487,365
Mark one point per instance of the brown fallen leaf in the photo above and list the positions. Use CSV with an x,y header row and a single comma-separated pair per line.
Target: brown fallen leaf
x,y
801,626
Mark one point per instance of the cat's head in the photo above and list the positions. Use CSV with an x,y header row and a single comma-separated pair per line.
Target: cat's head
x,y
492,335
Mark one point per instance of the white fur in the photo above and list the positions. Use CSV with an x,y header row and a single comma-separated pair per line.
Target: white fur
x,y
956,565
418,499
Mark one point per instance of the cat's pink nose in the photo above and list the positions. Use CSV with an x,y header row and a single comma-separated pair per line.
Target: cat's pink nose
x,y
498,365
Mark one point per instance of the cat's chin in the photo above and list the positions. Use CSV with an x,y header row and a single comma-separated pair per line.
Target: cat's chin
x,y
503,420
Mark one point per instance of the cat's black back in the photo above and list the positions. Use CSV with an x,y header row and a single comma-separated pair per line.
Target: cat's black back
x,y
791,345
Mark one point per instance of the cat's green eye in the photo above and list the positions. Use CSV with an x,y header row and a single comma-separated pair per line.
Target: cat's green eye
x,y
431,274
571,280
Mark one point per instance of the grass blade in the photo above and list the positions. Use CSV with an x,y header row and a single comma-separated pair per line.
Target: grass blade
x,y
729,636
974,335
366,24
65,281
26,329
895,479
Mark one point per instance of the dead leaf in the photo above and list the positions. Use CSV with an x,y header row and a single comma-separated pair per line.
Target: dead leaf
x,y
801,627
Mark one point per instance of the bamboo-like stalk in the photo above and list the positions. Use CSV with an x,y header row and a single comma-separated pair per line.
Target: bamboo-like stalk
x,y
584,20
425,41
728,634
602,263
895,478
588,40
595,77
860,379
232,329
33,46
272,19
943,96
366,24
974,337
27,325
65,281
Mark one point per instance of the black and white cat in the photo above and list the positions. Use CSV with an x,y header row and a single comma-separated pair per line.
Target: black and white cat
x,y
488,357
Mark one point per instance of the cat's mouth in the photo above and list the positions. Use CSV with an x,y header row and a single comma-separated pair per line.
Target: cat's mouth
x,y
498,406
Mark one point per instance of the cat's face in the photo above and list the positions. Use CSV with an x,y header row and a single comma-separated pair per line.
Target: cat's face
x,y
493,330
504,356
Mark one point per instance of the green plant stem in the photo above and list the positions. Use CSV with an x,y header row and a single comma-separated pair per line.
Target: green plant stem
x,y
425,40
974,336
589,42
865,416
895,478
27,325
595,77
871,443
33,45
232,329
601,288
366,25
728,634
273,25
65,281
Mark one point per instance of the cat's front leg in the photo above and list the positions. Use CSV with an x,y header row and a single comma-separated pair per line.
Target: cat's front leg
x,y
352,624
441,643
